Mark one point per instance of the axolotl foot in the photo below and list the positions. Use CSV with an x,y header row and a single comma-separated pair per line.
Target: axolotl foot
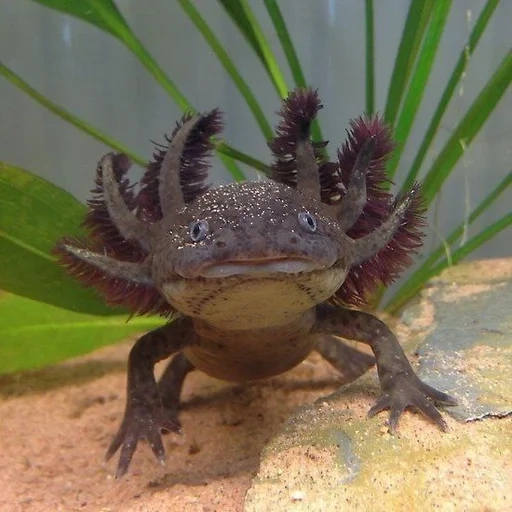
x,y
141,421
408,390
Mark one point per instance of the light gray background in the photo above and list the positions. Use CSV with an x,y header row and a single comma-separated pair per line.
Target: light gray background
x,y
93,75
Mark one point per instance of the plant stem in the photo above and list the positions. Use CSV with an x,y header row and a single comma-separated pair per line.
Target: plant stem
x,y
370,58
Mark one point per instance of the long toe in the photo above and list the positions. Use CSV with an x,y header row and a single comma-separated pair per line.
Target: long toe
x,y
384,402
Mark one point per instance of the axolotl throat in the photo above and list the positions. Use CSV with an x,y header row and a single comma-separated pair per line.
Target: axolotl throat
x,y
254,276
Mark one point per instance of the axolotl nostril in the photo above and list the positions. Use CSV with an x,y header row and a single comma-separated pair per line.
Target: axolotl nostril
x,y
253,276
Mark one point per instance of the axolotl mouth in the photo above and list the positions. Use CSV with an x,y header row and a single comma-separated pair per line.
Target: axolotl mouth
x,y
248,294
259,267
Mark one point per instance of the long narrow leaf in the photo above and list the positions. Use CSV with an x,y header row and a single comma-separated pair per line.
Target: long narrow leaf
x,y
370,58
224,149
68,116
244,19
458,70
237,14
291,56
286,42
126,35
468,128
456,256
419,79
418,279
474,243
83,10
271,64
104,15
482,207
235,171
229,66
471,245
412,35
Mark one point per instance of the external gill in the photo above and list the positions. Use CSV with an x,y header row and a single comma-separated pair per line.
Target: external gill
x,y
95,262
384,234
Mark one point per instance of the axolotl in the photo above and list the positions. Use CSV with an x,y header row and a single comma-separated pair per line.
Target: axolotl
x,y
252,276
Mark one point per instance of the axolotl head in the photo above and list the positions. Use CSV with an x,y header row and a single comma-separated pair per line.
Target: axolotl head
x,y
247,254
250,253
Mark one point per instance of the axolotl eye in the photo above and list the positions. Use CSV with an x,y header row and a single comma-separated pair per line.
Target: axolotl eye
x,y
307,221
198,230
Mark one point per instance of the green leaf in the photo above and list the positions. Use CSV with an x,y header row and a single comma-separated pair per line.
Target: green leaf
x,y
450,88
286,42
271,63
34,214
35,334
462,252
118,26
229,66
468,128
293,60
234,170
243,17
84,10
68,116
370,57
482,207
249,160
474,243
418,279
412,35
419,80
237,14
79,123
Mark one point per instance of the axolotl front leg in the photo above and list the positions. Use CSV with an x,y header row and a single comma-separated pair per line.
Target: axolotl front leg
x,y
150,406
400,386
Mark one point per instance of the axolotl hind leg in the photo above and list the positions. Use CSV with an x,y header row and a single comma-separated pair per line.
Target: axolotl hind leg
x,y
171,383
350,362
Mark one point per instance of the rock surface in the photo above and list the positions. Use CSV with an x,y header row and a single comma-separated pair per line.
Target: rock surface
x,y
56,424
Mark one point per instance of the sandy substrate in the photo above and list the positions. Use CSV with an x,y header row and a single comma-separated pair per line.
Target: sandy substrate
x,y
56,424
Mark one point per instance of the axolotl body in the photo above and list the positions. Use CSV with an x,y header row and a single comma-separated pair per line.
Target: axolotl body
x,y
254,275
